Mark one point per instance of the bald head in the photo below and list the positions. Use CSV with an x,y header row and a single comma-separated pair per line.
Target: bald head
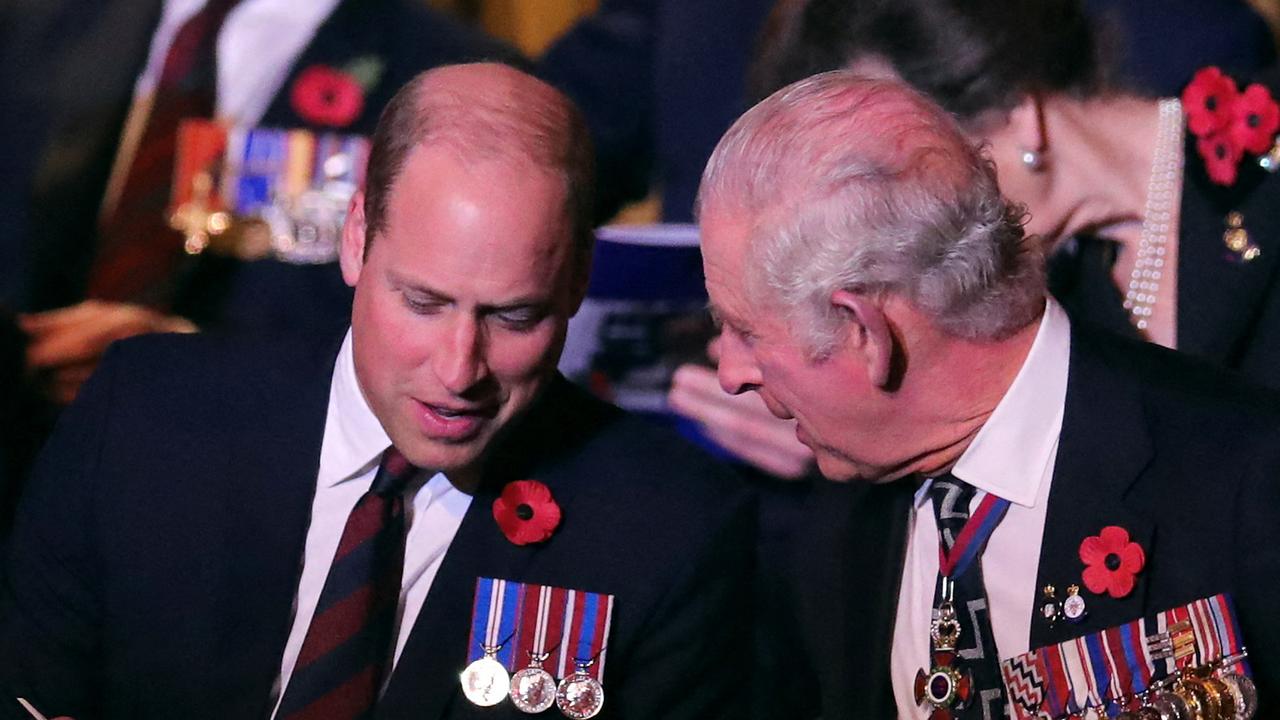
x,y
864,185
483,112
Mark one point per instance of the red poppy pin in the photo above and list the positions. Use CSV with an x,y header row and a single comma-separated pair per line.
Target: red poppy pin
x,y
1228,123
1111,561
526,512
334,97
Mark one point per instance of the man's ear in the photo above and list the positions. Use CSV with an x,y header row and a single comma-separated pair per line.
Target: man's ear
x,y
354,237
868,335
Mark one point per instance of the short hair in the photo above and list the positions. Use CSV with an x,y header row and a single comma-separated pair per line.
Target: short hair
x,y
865,185
972,57
505,115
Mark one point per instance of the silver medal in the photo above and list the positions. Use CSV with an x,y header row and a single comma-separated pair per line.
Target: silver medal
x,y
533,689
485,682
580,696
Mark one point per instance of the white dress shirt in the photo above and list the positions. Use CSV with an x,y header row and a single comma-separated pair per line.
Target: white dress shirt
x,y
257,45
1012,457
352,447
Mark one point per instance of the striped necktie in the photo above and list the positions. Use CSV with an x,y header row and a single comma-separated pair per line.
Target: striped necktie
x,y
346,654
137,250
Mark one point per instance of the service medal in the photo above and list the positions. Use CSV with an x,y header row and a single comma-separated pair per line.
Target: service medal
x,y
1244,693
533,689
580,696
485,682
1171,707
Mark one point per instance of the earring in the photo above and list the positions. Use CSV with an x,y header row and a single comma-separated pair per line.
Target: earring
x,y
1033,160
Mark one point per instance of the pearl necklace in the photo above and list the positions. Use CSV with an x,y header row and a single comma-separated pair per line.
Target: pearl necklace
x,y
1164,190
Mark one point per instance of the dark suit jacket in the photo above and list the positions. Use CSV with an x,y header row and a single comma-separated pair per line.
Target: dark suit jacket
x,y
69,70
157,553
1182,457
1228,309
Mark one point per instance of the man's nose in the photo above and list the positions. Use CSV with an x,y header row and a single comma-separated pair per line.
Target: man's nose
x,y
463,363
737,370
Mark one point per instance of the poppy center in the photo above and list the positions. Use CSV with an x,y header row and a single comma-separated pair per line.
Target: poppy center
x,y
525,512
1254,121
329,96
1220,151
1112,562
1211,103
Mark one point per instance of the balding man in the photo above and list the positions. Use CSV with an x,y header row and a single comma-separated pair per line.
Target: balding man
x,y
341,527
874,286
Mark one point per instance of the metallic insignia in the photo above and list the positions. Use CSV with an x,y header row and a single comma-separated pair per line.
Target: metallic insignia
x,y
1073,607
580,696
944,630
1244,694
1237,240
485,682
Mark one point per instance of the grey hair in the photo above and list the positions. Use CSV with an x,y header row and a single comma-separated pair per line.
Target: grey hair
x,y
865,185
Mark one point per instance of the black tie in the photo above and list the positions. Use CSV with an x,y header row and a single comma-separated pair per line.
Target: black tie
x,y
976,647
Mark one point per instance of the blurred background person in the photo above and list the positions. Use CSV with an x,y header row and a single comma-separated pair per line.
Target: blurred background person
x,y
95,92
1077,144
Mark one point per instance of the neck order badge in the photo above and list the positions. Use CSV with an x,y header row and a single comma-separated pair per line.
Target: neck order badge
x,y
541,633
948,685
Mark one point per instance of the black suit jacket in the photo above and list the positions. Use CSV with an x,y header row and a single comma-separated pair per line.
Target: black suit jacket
x,y
1228,308
157,552
68,73
1181,456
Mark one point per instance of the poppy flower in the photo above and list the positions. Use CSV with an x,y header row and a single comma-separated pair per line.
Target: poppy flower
x,y
1256,120
526,512
1221,157
326,96
1209,102
1111,561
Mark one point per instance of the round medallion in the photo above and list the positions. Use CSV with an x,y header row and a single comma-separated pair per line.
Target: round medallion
x,y
485,682
1244,692
1073,607
580,696
940,688
1171,707
1049,610
1199,698
533,690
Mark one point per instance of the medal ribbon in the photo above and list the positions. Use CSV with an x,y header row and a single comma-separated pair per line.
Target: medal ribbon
x,y
592,618
1100,664
493,619
973,536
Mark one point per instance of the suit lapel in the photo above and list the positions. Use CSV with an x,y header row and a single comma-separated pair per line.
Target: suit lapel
x,y
1103,449
850,569
356,30
268,508
1220,295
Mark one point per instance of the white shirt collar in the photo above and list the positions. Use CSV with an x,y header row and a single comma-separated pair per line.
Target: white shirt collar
x,y
354,439
1009,455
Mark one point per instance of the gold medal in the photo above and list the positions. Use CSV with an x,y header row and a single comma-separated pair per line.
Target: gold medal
x,y
485,682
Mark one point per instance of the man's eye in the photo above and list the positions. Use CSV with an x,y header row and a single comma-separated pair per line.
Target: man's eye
x,y
421,306
520,318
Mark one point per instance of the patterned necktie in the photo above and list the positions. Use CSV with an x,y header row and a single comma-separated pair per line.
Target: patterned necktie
x,y
137,250
347,650
976,647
